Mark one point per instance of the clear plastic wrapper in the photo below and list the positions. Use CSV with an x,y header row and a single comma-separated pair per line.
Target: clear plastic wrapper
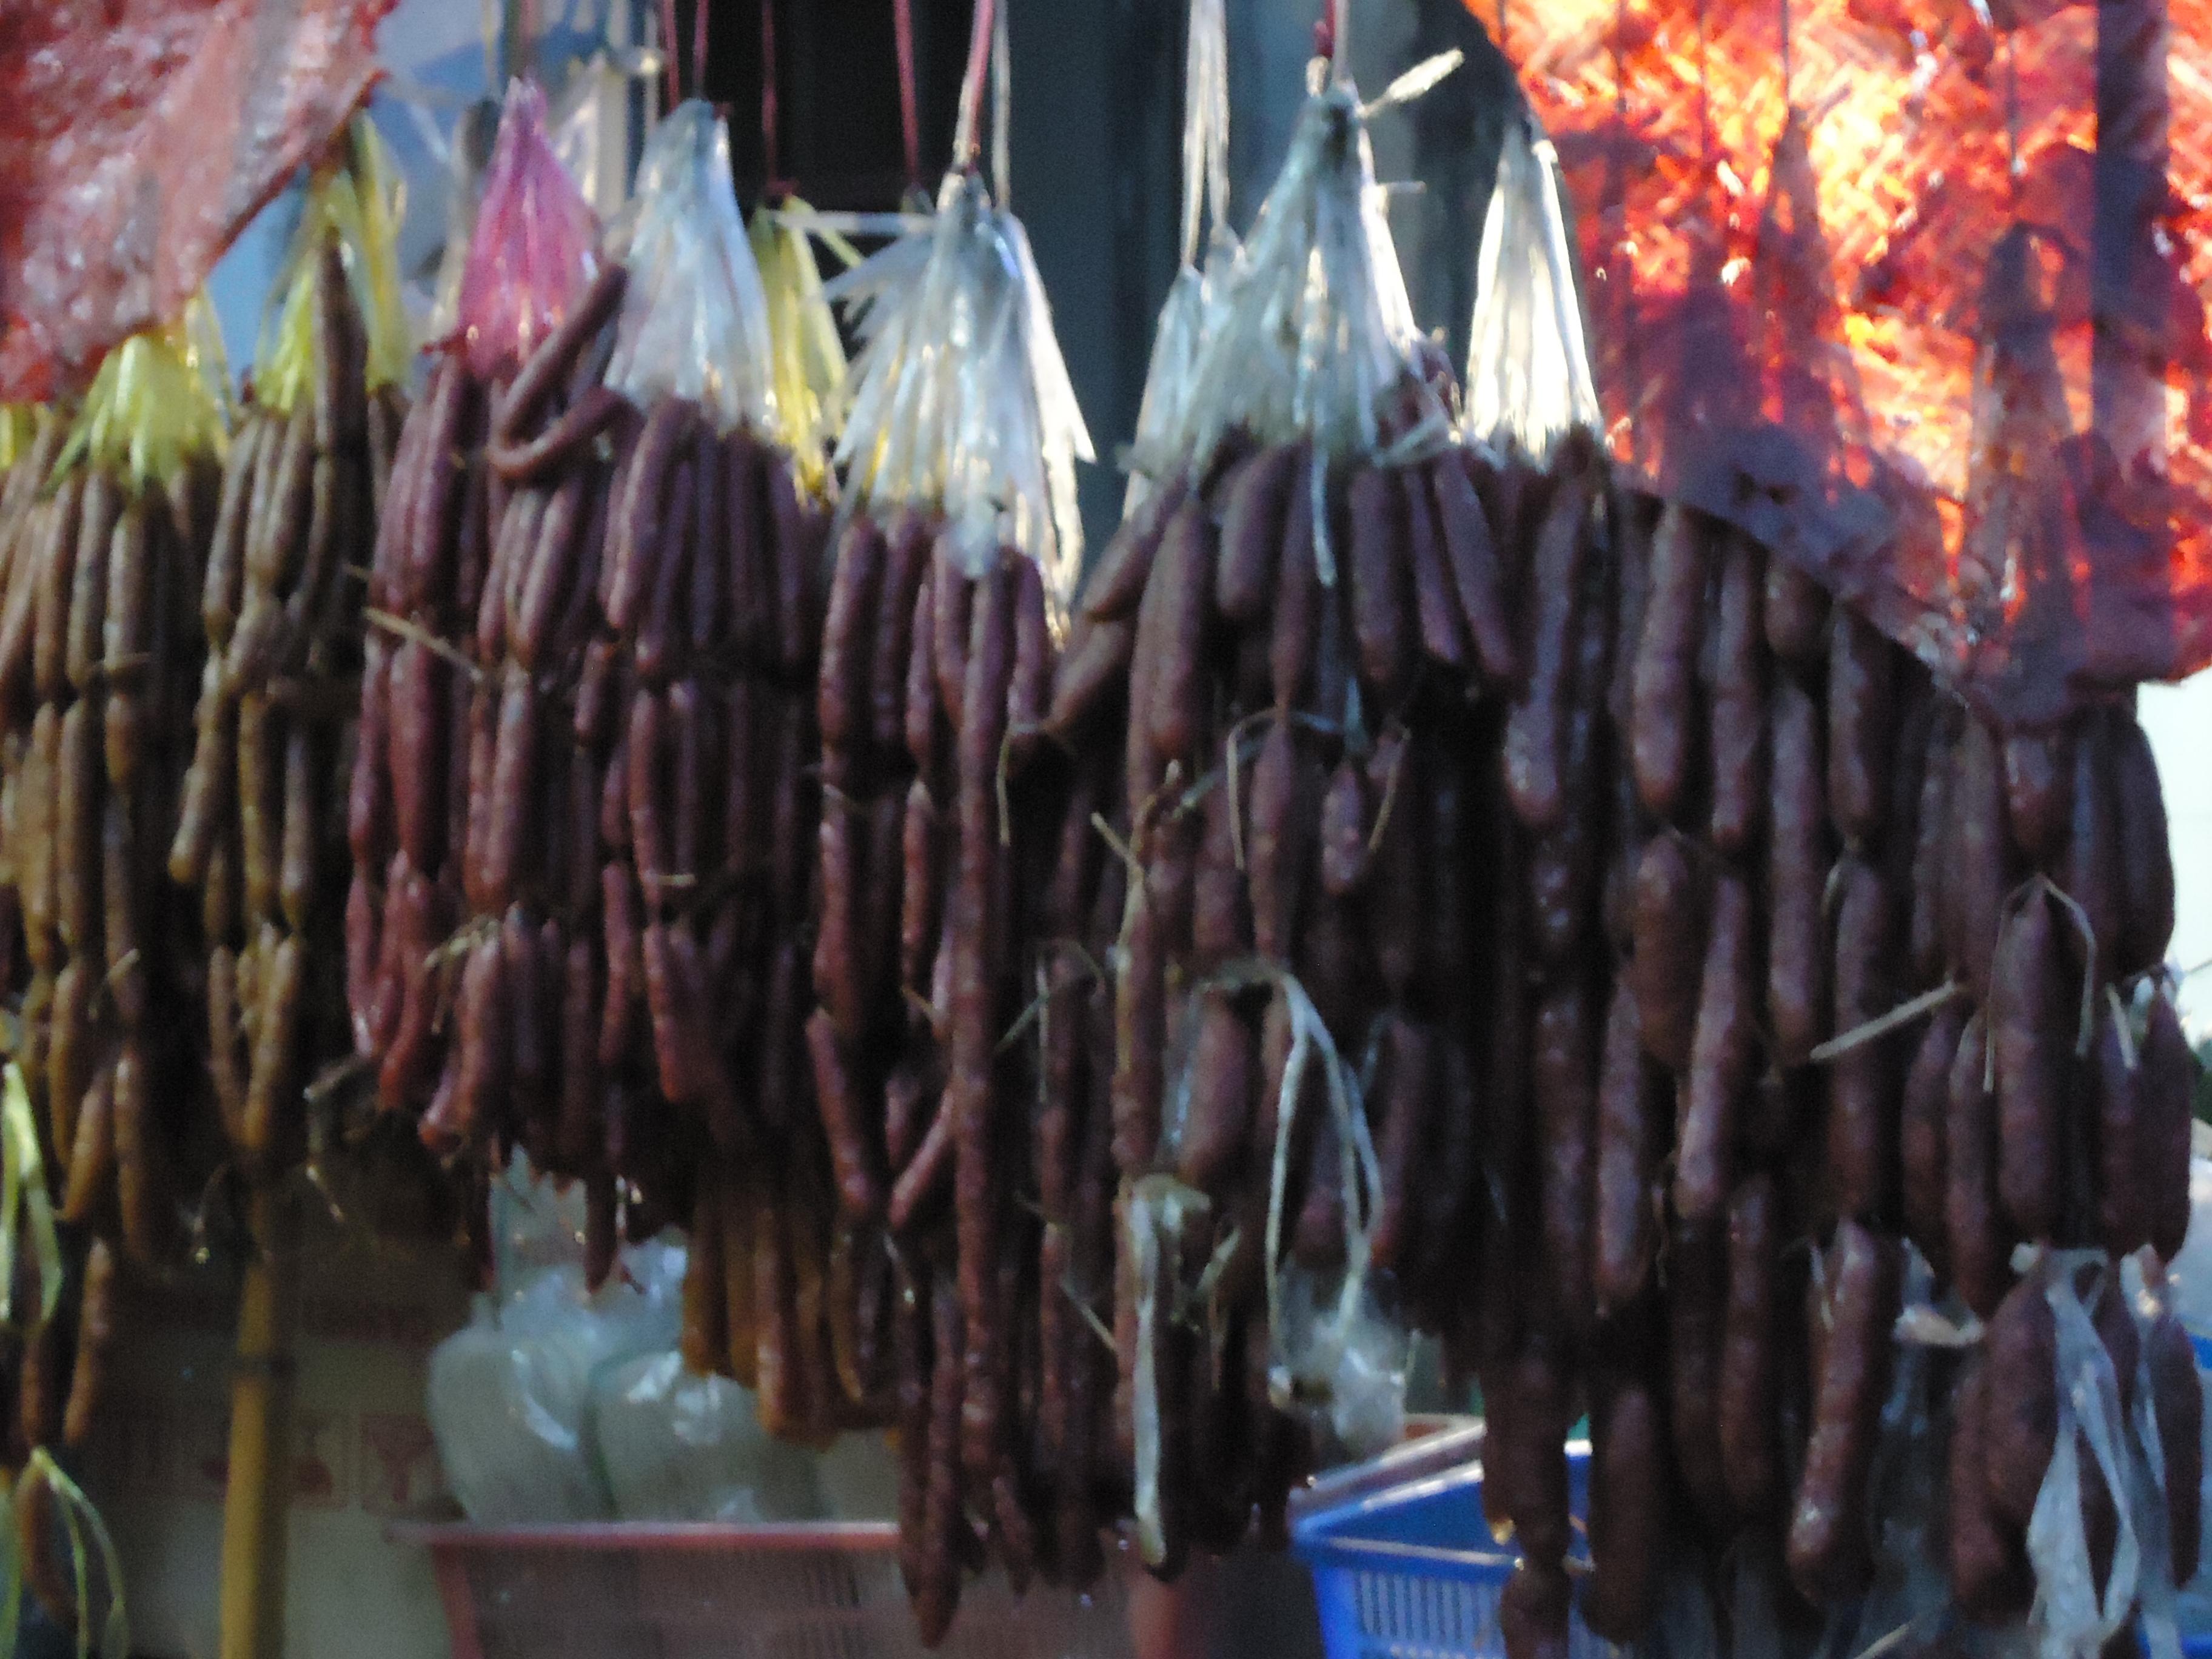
x,y
1316,331
534,246
695,320
807,373
1528,376
2072,1619
959,395
466,161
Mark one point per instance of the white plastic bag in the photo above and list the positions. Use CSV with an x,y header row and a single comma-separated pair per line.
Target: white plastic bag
x,y
959,394
694,319
510,1395
1528,377
681,1447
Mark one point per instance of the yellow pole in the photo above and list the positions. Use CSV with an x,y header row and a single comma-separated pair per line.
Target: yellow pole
x,y
258,1490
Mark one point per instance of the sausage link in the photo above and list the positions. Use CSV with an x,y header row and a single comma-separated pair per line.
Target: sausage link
x,y
80,784
2039,770
1828,1544
2032,1023
1659,723
1697,1313
1990,1574
1536,726
1796,612
1979,865
1862,714
124,903
843,678
1476,577
1667,966
2178,1408
261,726
1628,1513
1721,1055
1738,701
1796,962
2146,854
1863,1081
1382,610
1930,876
1923,1132
297,873
1117,582
1633,1133
1750,1380
95,1337
1293,637
905,576
2167,1078
2022,1425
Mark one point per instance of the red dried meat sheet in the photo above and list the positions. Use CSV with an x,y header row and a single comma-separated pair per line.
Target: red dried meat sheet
x,y
136,138
1788,298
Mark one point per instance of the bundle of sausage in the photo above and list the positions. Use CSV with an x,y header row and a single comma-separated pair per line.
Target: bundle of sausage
x,y
940,826
105,522
444,556
260,835
1304,643
695,709
100,654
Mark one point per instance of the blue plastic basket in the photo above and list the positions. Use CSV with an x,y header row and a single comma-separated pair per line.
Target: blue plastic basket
x,y
1402,1559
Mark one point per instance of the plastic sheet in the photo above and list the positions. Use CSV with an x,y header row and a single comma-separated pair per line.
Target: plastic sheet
x,y
1789,286
534,246
694,319
136,141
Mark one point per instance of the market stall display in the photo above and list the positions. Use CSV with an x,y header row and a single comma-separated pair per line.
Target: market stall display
x,y
1632,874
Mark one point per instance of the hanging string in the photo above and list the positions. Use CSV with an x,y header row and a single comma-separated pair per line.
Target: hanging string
x,y
771,170
1705,98
699,10
2011,121
1789,77
1002,110
668,52
910,106
1501,29
966,134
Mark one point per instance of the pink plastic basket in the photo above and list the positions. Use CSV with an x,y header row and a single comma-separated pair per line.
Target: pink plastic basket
x,y
812,1591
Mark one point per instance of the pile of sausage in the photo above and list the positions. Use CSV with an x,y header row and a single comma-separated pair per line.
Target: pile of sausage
x,y
259,837
1694,950
1850,1003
